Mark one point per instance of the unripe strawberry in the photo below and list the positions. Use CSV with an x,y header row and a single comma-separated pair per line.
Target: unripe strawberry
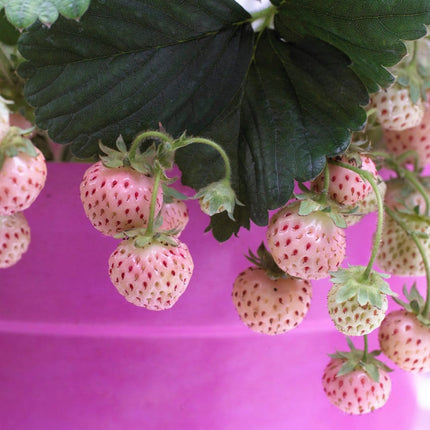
x,y
270,306
117,199
406,341
305,246
395,109
175,216
14,238
153,276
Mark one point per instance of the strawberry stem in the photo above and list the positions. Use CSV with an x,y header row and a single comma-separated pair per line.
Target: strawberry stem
x,y
366,348
403,225
147,135
324,192
378,233
151,218
213,145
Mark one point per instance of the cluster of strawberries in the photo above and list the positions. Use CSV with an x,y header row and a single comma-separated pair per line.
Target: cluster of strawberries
x,y
306,242
22,177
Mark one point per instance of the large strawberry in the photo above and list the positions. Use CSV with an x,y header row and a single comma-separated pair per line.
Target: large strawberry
x,y
396,110
355,381
22,172
267,300
347,187
14,238
152,274
116,199
305,246
357,305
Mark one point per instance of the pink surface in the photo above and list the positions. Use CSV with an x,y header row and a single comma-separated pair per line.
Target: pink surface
x,y
76,355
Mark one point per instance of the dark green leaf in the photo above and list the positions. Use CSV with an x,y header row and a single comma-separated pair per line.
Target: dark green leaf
x,y
370,32
174,63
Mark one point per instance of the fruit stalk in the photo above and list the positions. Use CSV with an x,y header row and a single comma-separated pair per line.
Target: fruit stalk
x,y
147,135
403,225
151,218
378,233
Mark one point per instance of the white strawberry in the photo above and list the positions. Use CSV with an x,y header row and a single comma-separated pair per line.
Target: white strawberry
x,y
14,238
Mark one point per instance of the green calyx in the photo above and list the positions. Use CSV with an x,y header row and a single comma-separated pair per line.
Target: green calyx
x,y
360,359
14,143
367,290
415,304
142,238
265,261
218,197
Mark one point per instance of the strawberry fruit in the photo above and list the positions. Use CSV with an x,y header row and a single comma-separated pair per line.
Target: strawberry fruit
x,y
305,246
152,275
117,199
270,306
175,216
14,238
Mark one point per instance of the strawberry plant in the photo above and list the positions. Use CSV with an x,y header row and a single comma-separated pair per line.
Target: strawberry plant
x,y
328,98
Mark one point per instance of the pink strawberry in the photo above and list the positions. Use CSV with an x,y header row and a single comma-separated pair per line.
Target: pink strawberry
x,y
117,199
305,246
175,216
406,341
22,176
347,187
355,392
14,238
395,109
270,306
401,195
153,276
416,139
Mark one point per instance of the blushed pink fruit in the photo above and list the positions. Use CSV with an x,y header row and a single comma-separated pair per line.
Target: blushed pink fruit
x,y
153,276
347,187
14,238
175,216
356,392
270,306
117,199
22,178
306,247
395,109
405,341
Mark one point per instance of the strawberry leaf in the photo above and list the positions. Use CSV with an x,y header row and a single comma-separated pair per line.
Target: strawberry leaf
x,y
369,32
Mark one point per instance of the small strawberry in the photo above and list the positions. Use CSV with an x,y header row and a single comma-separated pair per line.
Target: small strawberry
x,y
398,253
355,392
404,335
266,300
117,199
152,274
357,305
305,246
14,238
395,109
22,172
347,187
400,194
175,216
412,139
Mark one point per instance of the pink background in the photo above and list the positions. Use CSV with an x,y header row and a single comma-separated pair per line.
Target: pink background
x,y
76,355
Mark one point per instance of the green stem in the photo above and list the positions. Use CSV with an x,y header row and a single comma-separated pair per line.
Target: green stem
x,y
403,225
265,14
324,192
409,176
147,135
378,233
366,348
213,145
5,66
151,218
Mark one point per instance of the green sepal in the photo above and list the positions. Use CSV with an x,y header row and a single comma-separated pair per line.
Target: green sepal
x,y
114,158
356,358
265,261
414,303
170,194
15,143
338,219
308,206
370,290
